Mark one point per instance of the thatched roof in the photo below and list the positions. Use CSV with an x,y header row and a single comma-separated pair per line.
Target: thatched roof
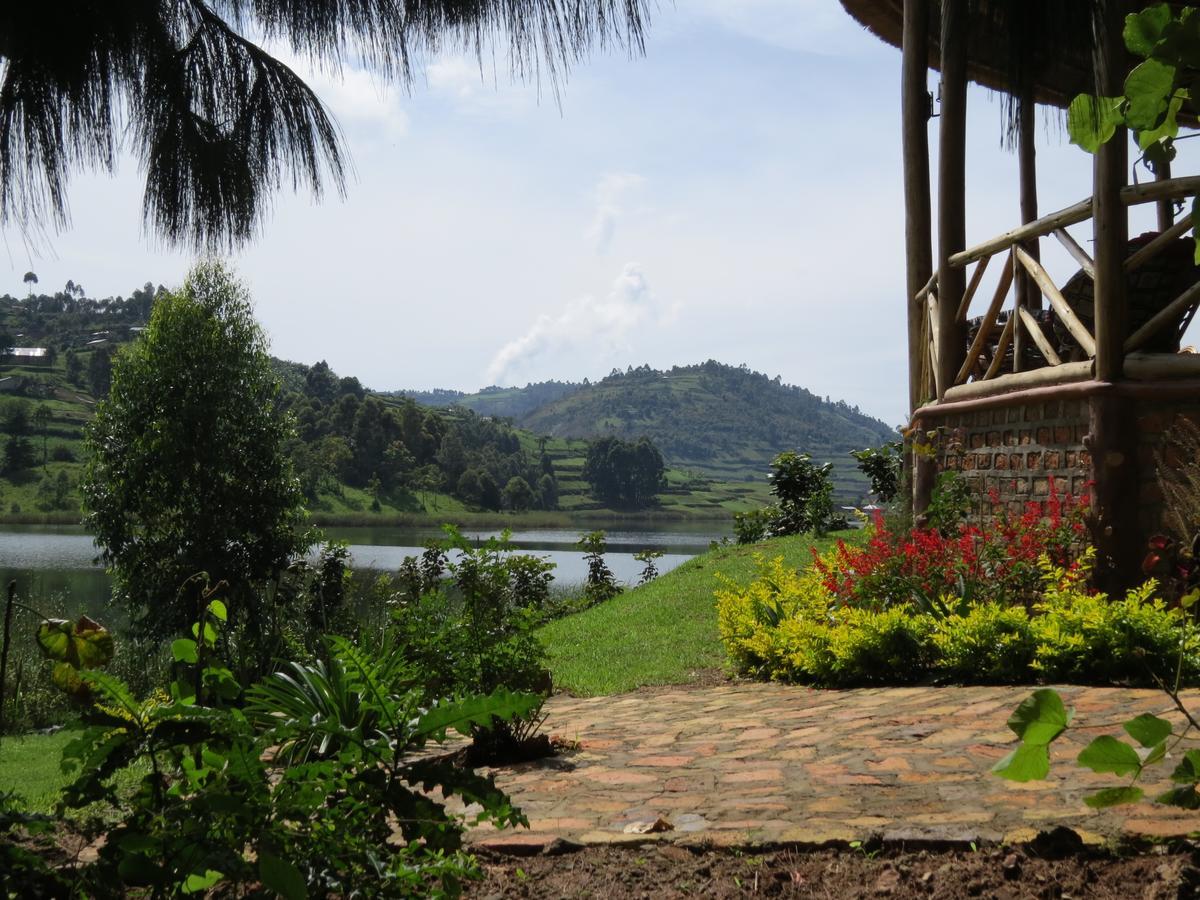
x,y
1045,44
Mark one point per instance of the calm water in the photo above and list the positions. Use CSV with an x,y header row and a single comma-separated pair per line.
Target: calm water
x,y
55,568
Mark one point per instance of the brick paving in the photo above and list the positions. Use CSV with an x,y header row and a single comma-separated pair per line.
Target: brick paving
x,y
747,764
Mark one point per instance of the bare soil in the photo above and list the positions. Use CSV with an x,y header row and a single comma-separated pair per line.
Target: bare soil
x,y
661,871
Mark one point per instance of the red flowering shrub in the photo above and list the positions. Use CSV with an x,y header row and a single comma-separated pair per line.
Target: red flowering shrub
x,y
996,561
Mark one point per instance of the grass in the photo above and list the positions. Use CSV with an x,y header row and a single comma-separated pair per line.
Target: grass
x,y
29,768
660,633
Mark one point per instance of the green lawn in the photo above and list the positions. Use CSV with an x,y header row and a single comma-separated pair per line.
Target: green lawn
x,y
29,767
660,633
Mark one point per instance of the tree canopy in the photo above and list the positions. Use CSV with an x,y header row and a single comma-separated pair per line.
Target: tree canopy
x,y
187,468
624,474
217,123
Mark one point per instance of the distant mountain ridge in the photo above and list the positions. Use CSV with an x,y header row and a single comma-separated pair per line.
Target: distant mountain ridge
x,y
726,422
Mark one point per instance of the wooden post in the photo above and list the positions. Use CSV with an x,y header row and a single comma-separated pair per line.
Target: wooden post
x,y
918,239
1109,216
1166,208
918,225
1112,438
1028,295
952,177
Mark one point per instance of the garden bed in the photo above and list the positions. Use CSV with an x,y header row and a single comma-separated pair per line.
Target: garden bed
x,y
666,871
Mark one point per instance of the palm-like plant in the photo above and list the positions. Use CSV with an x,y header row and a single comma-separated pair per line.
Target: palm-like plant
x,y
217,122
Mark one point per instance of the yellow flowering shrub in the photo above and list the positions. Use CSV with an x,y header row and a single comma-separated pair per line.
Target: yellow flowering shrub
x,y
787,625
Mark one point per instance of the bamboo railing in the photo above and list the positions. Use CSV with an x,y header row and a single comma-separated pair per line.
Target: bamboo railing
x,y
986,368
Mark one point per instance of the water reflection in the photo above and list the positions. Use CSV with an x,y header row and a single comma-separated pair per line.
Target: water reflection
x,y
55,566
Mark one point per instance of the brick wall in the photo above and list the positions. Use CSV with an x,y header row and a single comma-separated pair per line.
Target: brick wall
x,y
1016,449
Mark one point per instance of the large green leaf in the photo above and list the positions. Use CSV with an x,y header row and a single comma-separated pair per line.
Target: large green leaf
x,y
1091,121
460,715
1148,730
1144,29
85,644
1029,762
1183,797
1188,770
1114,797
1107,754
1040,718
1148,88
281,876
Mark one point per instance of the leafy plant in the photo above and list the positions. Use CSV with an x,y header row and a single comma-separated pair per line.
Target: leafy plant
x,y
302,793
882,466
1167,41
649,569
804,493
601,584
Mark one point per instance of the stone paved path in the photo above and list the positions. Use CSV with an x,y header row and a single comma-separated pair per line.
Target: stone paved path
x,y
767,763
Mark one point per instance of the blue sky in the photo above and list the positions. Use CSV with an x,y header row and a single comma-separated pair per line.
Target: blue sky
x,y
734,194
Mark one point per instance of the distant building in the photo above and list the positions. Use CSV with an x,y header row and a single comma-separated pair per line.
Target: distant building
x,y
26,356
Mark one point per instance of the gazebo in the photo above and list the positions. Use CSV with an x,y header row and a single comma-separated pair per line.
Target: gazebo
x,y
1083,390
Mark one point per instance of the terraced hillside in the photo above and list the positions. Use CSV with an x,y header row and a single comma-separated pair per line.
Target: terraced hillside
x,y
721,422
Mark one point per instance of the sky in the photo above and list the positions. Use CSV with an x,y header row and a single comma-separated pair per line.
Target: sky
x,y
733,194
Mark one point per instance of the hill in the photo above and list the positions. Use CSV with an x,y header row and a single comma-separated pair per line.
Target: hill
x,y
513,403
361,457
723,422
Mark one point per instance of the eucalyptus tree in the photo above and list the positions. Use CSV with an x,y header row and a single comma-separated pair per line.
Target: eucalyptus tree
x,y
215,121
187,470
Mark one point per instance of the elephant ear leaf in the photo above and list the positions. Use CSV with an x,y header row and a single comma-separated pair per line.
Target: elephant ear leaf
x,y
85,644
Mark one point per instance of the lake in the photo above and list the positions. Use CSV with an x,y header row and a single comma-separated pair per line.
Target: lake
x,y
54,565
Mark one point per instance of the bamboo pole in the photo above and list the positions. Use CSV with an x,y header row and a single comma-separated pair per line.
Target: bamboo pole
x,y
1060,305
1077,253
977,276
1019,381
1039,337
989,320
1139,258
1001,348
1112,437
1163,317
1153,191
1165,208
1149,366
1027,296
1132,195
952,183
915,110
1072,215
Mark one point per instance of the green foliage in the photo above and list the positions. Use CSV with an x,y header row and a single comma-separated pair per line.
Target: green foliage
x,y
347,738
804,494
1167,41
187,471
755,525
787,625
601,584
649,569
949,503
464,623
626,475
882,466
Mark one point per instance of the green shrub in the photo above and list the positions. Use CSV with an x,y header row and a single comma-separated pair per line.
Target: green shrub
x,y
1084,636
991,643
788,625
893,646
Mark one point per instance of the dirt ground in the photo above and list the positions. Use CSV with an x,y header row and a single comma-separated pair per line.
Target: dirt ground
x,y
661,871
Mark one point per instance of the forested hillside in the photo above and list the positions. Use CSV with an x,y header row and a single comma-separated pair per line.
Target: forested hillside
x,y
513,403
356,453
724,422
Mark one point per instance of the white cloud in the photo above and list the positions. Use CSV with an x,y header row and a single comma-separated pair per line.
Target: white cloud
x,y
610,195
478,87
587,326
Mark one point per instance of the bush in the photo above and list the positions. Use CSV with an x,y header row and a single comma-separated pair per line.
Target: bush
x,y
789,626
996,562
62,453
